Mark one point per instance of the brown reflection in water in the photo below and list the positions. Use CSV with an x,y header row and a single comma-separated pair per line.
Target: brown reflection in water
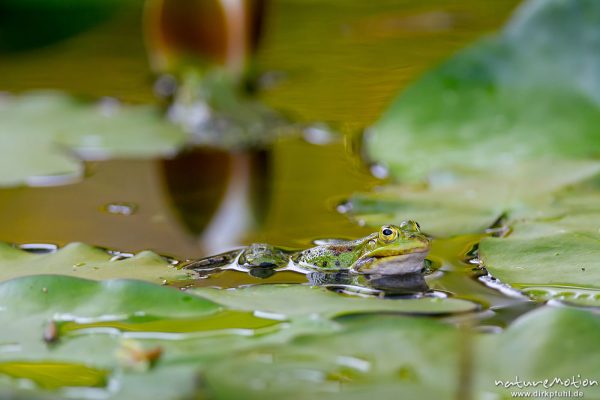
x,y
218,196
77,213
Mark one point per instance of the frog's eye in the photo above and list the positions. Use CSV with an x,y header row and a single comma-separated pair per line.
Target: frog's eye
x,y
388,233
410,225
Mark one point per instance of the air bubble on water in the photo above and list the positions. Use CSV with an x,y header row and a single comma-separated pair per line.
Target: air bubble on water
x,y
121,208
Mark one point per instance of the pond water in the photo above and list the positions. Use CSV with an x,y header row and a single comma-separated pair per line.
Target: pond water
x,y
324,63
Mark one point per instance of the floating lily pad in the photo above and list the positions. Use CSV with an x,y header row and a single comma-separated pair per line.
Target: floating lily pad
x,y
84,261
361,354
562,254
554,252
300,300
544,344
44,136
471,204
32,349
528,92
414,358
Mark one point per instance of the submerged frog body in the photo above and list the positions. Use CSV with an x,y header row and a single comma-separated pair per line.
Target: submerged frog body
x,y
393,250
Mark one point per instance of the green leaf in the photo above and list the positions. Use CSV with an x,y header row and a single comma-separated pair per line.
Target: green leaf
x,y
528,92
560,255
107,312
553,253
43,136
84,261
400,357
544,344
472,203
415,358
299,300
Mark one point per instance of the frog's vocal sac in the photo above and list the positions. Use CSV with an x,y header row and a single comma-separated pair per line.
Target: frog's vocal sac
x,y
393,250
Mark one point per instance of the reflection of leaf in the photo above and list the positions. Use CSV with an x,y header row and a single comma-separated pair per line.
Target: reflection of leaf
x,y
472,203
39,133
81,260
529,92
298,300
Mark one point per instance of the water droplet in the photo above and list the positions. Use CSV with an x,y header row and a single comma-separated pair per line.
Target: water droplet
x,y
109,106
53,180
379,170
344,207
118,255
121,208
318,134
39,248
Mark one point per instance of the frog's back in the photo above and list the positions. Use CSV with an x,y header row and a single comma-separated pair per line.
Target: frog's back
x,y
327,257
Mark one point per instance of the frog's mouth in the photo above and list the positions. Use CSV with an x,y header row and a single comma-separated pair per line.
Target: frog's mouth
x,y
389,262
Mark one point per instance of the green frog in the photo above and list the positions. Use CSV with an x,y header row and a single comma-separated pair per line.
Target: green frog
x,y
393,250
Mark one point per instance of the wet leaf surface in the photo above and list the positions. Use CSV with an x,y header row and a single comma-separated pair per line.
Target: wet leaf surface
x,y
299,300
43,136
553,255
472,204
413,357
84,261
547,343
30,305
308,355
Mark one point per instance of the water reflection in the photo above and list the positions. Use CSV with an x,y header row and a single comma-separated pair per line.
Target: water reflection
x,y
219,196
389,285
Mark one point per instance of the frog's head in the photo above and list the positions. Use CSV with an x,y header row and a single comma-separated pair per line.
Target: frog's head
x,y
393,250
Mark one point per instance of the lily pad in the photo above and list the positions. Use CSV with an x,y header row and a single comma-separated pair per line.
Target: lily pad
x,y
44,136
471,204
553,254
32,349
84,261
414,358
529,92
299,300
547,343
